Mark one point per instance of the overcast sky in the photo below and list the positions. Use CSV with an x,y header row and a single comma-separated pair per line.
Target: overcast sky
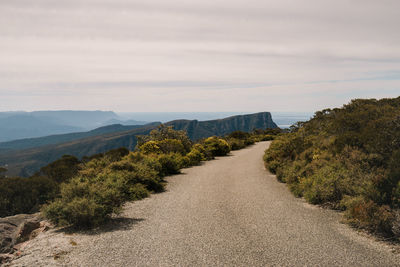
x,y
208,55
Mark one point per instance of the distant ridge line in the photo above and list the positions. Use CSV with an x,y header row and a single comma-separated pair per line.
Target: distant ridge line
x,y
25,162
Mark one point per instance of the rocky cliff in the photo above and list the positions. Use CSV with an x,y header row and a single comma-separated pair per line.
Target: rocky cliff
x,y
246,123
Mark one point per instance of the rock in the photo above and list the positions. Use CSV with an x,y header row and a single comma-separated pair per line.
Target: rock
x,y
27,228
43,227
6,236
17,229
5,258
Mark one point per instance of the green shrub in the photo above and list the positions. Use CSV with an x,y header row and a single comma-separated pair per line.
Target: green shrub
x,y
101,196
207,154
150,161
116,154
150,147
139,191
86,159
163,133
368,215
267,137
272,165
217,146
134,173
79,212
95,166
61,170
236,144
171,146
89,202
238,140
328,185
170,163
164,146
25,195
194,157
347,158
249,141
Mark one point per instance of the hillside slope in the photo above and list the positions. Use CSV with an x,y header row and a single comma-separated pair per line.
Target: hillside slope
x,y
21,144
347,158
26,162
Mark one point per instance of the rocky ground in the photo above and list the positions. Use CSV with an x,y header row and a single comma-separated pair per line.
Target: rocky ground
x,y
16,232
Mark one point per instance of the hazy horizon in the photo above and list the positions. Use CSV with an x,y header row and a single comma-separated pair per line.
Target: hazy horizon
x,y
68,119
168,116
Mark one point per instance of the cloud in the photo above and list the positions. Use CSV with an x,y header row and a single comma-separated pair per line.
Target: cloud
x,y
215,55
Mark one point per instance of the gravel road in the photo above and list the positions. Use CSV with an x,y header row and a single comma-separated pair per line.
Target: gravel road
x,y
227,212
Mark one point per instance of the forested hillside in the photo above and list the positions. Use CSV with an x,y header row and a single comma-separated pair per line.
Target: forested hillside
x,y
349,159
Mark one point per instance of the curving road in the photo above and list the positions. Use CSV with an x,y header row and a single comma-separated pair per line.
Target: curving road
x,y
229,212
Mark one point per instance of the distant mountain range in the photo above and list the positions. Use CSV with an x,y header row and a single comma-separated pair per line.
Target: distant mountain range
x,y
18,125
24,126
35,153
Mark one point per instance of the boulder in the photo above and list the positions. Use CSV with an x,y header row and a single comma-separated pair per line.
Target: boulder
x,y
27,228
5,258
17,229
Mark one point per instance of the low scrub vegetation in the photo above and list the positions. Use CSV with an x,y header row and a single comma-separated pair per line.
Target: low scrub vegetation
x,y
103,184
26,195
348,159
85,193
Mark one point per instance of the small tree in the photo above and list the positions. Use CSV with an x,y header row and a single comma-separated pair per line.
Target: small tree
x,y
61,170
164,132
